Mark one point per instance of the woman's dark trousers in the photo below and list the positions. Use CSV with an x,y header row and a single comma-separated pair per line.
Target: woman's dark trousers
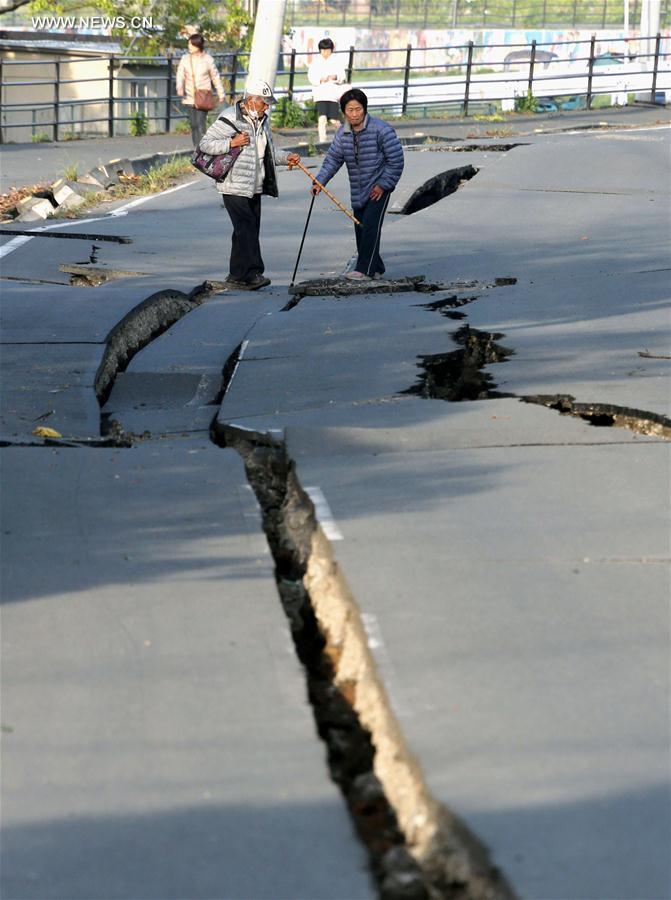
x,y
197,120
245,213
368,235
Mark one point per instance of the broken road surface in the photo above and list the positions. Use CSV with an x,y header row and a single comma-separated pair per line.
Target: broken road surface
x,y
488,577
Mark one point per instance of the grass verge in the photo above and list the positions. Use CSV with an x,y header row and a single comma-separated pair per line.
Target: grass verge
x,y
157,179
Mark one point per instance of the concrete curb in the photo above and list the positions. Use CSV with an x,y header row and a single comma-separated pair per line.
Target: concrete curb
x,y
71,194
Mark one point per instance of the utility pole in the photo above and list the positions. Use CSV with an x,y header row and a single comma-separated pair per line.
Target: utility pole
x,y
650,15
268,29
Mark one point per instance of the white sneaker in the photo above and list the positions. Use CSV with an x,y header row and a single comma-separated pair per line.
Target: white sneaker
x,y
357,276
351,264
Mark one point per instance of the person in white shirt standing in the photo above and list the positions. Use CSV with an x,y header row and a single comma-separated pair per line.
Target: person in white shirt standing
x,y
326,75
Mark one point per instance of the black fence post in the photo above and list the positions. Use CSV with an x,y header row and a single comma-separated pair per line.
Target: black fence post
x,y
406,79
2,85
350,65
590,73
110,99
292,74
469,69
532,63
655,68
168,94
57,97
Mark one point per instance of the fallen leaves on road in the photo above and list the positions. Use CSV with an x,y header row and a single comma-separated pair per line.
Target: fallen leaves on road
x,y
43,431
9,200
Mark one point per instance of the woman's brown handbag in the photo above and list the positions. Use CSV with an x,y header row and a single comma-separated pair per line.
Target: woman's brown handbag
x,y
201,99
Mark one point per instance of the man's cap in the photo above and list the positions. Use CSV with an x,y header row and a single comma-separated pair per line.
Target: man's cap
x,y
256,87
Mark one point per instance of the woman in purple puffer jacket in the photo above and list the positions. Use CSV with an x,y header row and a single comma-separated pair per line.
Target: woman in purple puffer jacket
x,y
373,155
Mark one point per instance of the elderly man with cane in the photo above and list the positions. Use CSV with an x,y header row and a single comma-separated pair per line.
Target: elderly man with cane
x,y
246,125
373,155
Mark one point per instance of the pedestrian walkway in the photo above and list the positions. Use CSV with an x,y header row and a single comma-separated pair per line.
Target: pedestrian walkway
x,y
27,164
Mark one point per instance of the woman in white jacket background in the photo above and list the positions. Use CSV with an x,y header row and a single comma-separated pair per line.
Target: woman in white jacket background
x,y
327,77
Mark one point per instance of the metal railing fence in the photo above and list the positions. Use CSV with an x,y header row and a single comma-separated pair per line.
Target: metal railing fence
x,y
494,75
465,13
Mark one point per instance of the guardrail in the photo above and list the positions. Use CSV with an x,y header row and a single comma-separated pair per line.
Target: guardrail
x,y
466,13
498,75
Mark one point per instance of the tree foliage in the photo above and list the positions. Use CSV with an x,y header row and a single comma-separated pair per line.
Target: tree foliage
x,y
224,25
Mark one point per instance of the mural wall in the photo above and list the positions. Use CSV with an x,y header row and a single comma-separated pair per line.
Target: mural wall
x,y
439,47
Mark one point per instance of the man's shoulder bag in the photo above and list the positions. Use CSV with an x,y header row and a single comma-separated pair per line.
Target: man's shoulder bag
x,y
218,166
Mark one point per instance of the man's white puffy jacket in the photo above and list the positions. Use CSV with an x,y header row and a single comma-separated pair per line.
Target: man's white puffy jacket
x,y
241,180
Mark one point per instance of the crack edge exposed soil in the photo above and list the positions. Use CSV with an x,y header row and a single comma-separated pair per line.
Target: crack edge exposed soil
x,y
417,848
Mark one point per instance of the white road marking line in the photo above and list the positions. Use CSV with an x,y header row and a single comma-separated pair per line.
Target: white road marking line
x,y
19,241
244,346
373,631
324,514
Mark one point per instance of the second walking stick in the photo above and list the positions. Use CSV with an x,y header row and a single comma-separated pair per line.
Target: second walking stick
x,y
305,231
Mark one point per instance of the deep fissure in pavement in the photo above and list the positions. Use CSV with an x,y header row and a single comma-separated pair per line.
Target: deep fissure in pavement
x,y
416,847
443,147
605,415
459,375
289,523
435,189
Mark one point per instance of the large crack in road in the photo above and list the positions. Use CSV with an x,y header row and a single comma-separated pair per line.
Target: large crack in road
x,y
417,848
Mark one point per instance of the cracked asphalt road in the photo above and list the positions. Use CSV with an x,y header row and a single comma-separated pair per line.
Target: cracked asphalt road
x,y
512,563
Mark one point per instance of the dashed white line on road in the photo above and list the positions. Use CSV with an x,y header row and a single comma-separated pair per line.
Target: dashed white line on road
x,y
324,514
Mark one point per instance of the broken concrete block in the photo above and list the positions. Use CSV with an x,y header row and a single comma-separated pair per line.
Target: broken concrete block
x,y
120,167
101,176
142,164
95,178
77,186
33,209
70,195
69,199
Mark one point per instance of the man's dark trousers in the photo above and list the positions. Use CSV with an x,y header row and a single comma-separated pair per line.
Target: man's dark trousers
x,y
368,235
245,213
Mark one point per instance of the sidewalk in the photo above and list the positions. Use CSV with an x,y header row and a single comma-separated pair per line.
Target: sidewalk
x,y
26,164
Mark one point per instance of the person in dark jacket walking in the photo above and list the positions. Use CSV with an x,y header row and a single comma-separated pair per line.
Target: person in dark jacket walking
x,y
373,155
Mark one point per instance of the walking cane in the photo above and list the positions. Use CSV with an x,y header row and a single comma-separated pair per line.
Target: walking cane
x,y
328,193
305,231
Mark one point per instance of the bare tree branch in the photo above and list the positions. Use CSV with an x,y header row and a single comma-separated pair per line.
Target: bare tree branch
x,y
10,5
